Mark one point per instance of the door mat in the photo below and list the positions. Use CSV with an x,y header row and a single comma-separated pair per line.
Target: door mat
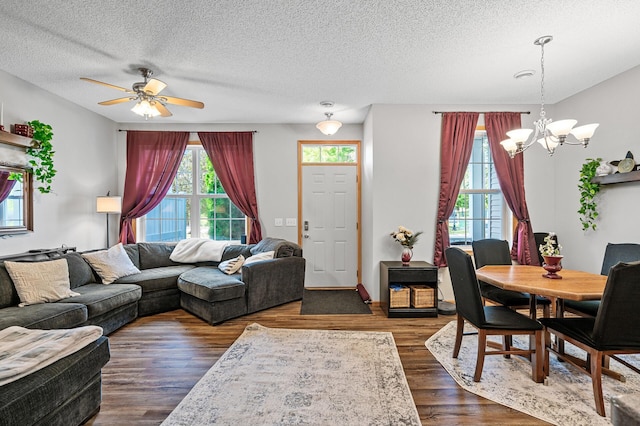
x,y
333,302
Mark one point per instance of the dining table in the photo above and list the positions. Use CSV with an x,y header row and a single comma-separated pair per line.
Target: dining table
x,y
573,285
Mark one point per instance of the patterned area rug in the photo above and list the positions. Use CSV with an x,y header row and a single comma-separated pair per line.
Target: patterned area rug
x,y
566,399
273,376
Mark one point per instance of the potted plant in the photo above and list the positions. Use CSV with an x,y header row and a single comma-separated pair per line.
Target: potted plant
x,y
407,239
588,190
41,154
550,252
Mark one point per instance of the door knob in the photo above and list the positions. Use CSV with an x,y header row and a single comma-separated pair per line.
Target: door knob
x,y
306,235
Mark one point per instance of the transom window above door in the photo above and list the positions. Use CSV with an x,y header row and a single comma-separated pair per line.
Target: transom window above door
x,y
322,153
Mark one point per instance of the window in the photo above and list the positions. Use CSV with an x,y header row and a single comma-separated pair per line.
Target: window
x,y
195,206
329,153
480,210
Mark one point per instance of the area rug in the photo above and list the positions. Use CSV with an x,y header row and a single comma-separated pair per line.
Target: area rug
x,y
272,376
566,399
332,302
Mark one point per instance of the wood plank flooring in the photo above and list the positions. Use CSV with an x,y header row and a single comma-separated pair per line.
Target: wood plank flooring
x,y
156,360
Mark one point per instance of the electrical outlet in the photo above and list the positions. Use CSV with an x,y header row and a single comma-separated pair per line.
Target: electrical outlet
x,y
292,221
278,221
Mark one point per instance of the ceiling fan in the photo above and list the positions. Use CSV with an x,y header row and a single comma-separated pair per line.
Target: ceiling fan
x,y
147,94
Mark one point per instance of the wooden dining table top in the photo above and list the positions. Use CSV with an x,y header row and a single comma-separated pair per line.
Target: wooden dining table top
x,y
574,285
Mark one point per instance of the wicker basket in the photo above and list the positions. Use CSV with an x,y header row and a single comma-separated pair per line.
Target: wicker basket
x,y
399,297
423,296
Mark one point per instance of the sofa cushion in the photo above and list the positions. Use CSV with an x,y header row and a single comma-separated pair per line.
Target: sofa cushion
x,y
40,282
8,293
80,273
100,299
154,255
156,279
45,315
111,264
133,253
210,284
236,250
282,248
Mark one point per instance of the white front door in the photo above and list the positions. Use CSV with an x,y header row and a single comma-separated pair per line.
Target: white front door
x,y
329,225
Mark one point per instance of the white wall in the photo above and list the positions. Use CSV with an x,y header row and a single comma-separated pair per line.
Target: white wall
x,y
84,158
615,104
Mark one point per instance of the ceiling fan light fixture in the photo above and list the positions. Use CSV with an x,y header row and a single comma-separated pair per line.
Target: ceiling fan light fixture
x,y
146,109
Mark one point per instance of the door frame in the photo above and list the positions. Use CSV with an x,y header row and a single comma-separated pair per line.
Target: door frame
x,y
357,165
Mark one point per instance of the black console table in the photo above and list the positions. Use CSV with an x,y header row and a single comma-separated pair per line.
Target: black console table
x,y
419,274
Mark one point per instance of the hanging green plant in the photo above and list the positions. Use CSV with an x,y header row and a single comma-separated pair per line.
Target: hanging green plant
x,y
588,191
41,154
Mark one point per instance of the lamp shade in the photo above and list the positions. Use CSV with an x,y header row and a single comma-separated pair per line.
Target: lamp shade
x,y
109,204
329,127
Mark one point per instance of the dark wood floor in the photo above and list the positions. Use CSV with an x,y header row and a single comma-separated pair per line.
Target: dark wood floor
x,y
156,360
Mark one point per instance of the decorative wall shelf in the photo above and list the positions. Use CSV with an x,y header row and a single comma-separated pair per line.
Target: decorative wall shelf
x,y
617,178
16,140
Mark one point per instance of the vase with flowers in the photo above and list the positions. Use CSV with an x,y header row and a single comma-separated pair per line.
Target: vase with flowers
x,y
550,252
407,239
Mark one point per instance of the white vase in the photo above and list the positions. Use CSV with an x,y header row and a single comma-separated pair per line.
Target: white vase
x,y
604,169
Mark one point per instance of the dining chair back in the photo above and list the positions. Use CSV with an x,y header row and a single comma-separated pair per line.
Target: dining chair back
x,y
491,251
539,237
489,320
613,253
613,331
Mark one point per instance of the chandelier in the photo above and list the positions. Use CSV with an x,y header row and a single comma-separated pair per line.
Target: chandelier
x,y
548,133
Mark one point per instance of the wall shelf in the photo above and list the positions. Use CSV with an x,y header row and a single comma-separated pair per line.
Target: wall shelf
x,y
16,140
617,178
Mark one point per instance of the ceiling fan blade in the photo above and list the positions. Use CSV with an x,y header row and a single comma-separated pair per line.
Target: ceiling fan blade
x,y
164,112
90,80
154,86
116,101
183,102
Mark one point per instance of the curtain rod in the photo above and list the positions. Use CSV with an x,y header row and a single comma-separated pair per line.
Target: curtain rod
x,y
482,112
190,131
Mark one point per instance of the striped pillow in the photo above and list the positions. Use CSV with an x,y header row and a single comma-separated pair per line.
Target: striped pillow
x,y
231,266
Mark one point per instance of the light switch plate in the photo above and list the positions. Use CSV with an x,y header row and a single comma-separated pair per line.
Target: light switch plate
x,y
278,221
292,221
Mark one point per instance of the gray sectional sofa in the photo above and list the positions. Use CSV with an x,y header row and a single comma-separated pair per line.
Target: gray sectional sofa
x,y
162,285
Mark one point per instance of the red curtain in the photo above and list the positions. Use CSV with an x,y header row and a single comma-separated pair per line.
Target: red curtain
x,y
6,185
153,159
232,156
510,173
458,129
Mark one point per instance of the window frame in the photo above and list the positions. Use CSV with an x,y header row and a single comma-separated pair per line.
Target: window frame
x,y
506,216
196,195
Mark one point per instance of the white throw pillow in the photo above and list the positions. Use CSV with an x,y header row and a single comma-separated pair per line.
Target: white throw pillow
x,y
41,282
231,266
258,257
111,264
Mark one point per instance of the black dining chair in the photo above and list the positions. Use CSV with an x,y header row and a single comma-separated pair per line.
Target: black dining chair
x,y
615,329
492,251
614,253
489,320
539,238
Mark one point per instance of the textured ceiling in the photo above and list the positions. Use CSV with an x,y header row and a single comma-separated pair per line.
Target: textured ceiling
x,y
269,61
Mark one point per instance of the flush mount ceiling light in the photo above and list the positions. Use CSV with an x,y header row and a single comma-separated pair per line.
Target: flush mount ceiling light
x,y
548,133
328,126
